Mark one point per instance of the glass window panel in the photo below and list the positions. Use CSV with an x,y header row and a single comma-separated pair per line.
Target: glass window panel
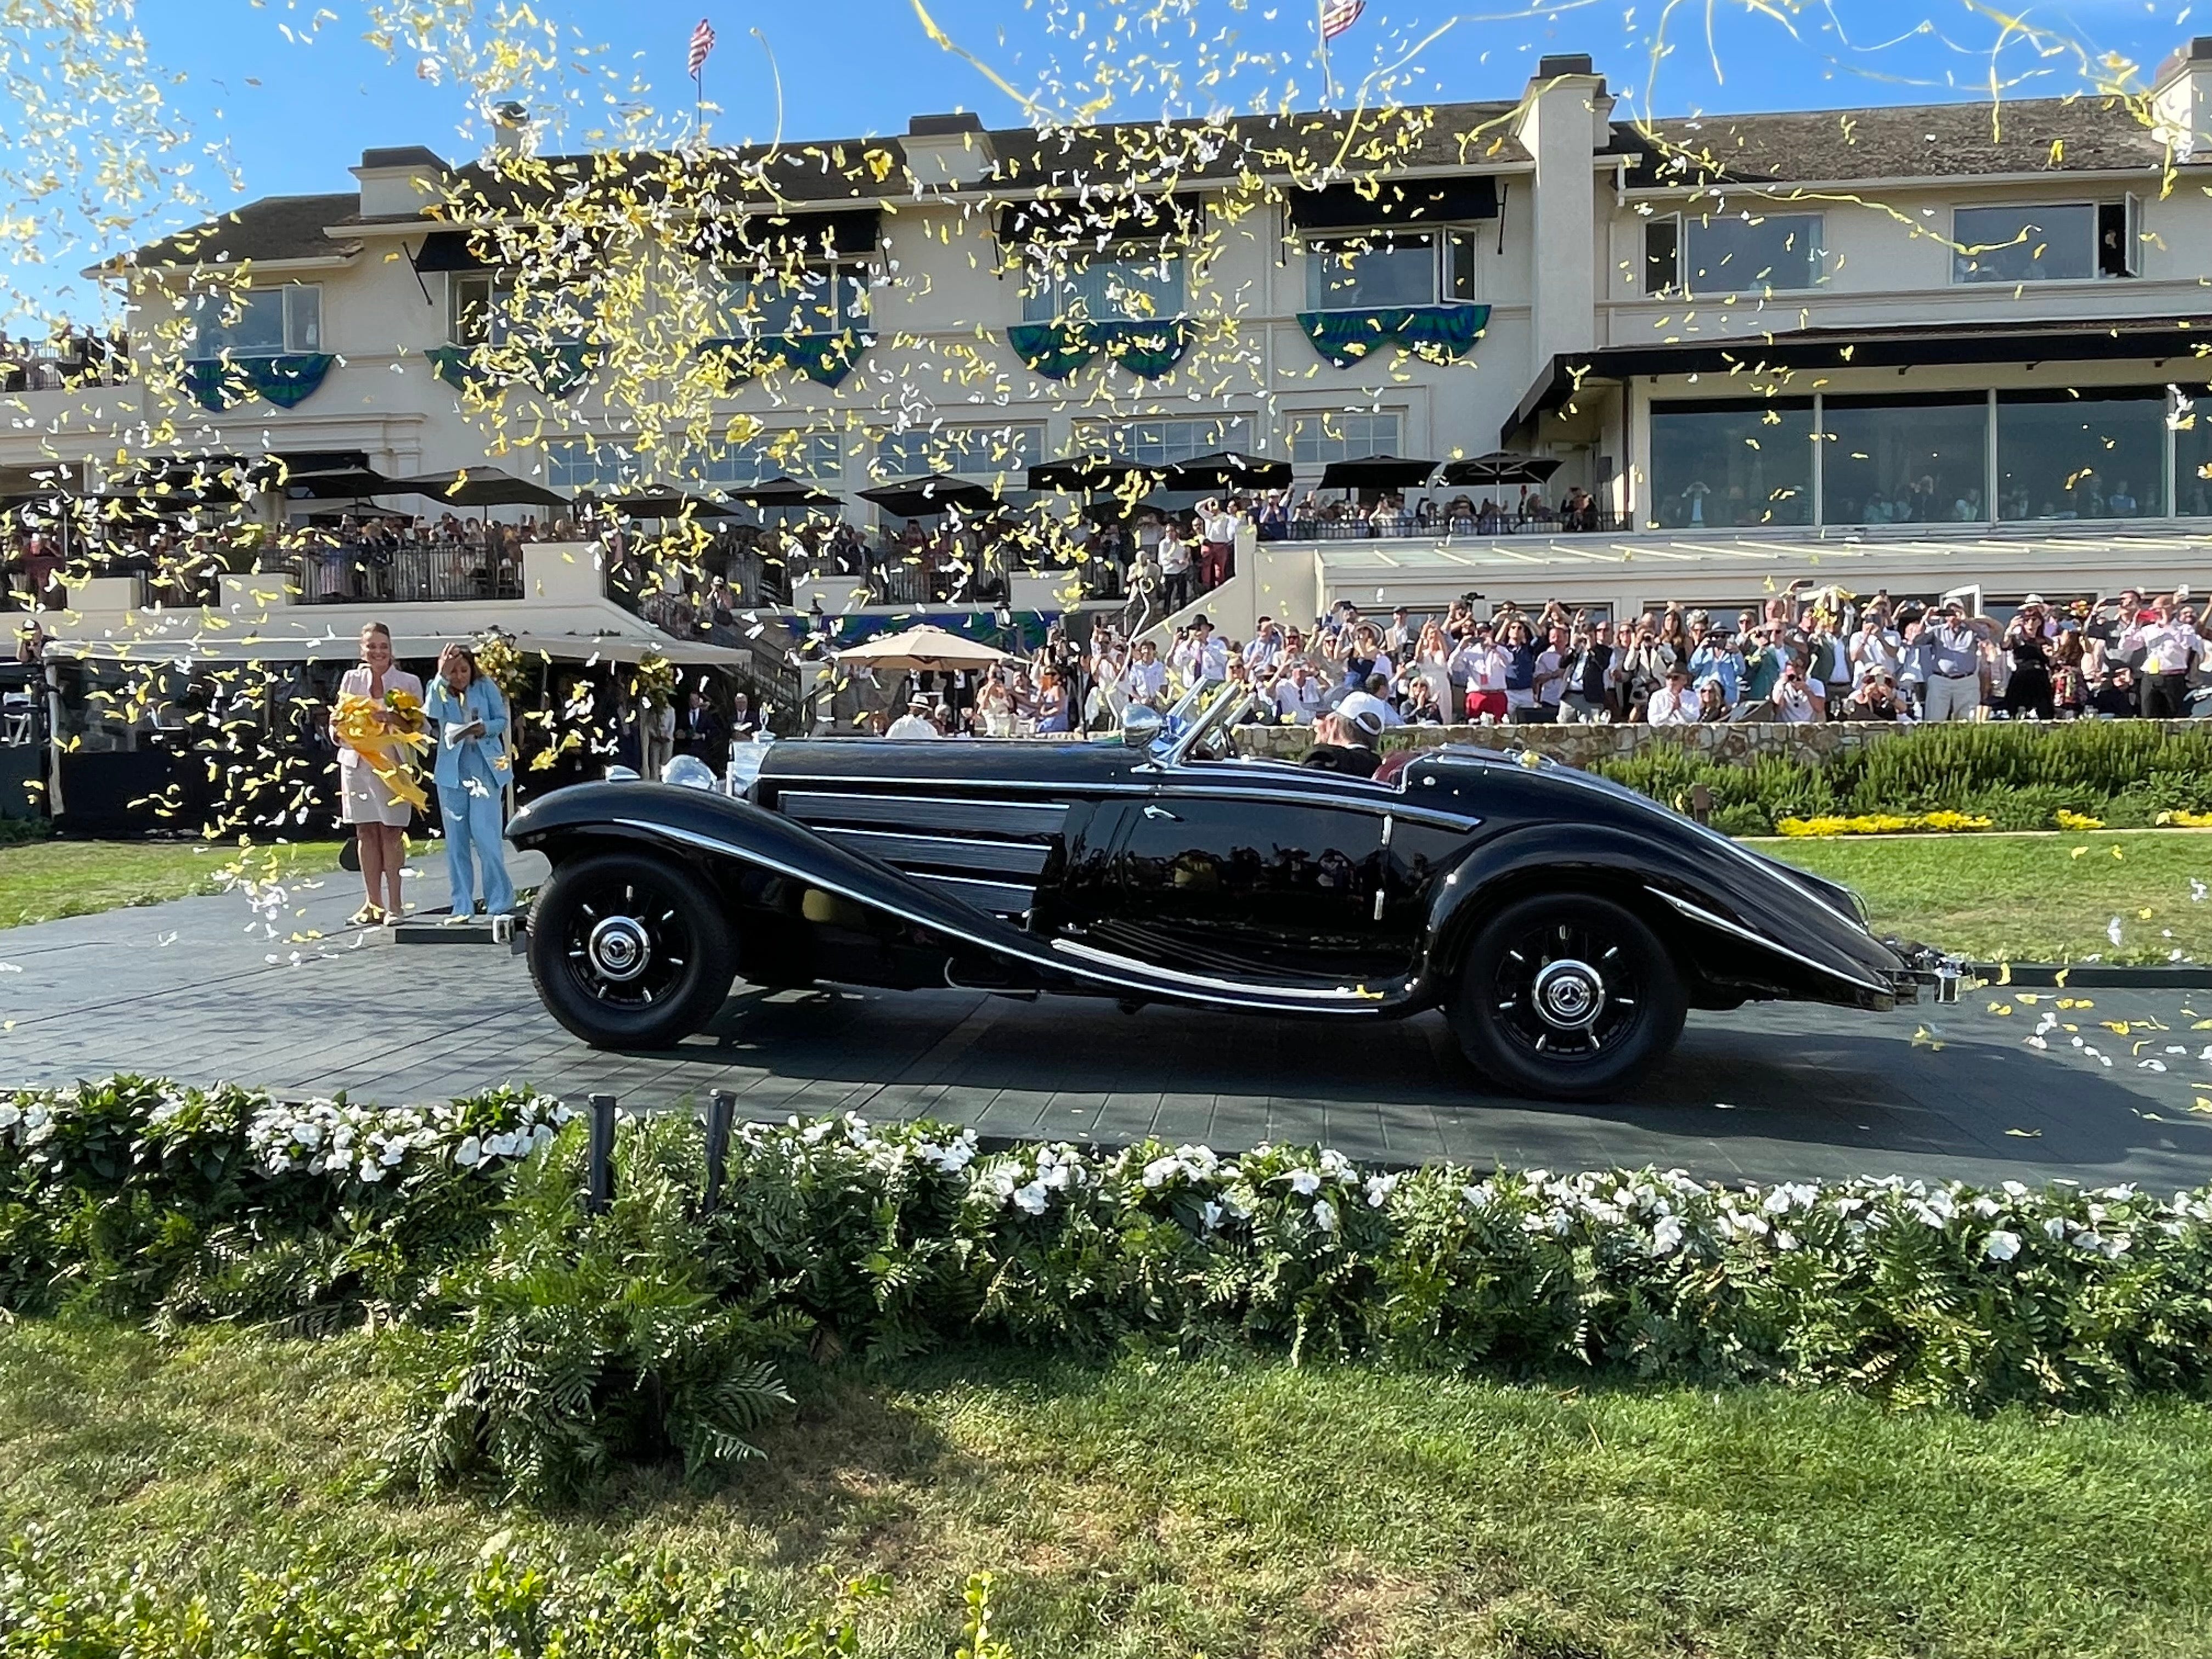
x,y
303,321
1750,252
771,455
2091,457
598,465
976,452
799,302
1162,442
1316,440
2036,244
244,324
1732,463
1138,285
1366,273
1904,460
2192,451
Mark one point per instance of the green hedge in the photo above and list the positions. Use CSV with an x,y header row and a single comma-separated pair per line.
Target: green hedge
x,y
2018,774
546,1346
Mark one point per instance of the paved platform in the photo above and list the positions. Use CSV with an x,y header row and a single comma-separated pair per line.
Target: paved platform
x,y
208,988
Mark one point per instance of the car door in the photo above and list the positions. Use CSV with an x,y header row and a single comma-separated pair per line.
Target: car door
x,y
1259,888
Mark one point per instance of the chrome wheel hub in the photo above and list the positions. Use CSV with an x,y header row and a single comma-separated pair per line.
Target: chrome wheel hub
x,y
620,949
1569,995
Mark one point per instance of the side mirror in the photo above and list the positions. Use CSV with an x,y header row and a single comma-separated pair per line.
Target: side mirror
x,y
1140,727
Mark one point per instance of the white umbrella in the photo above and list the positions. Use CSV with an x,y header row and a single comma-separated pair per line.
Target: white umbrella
x,y
925,649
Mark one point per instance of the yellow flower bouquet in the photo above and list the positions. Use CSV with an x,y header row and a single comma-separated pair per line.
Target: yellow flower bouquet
x,y
388,747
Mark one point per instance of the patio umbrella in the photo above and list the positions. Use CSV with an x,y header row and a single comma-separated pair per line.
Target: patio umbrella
x,y
1377,472
781,492
1226,468
1501,466
925,649
1081,475
919,497
478,486
336,485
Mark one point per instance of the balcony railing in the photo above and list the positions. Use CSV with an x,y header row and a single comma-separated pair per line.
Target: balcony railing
x,y
352,572
1410,528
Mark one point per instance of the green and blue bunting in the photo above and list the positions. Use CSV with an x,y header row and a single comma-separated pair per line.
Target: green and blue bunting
x,y
285,380
1437,333
1147,346
824,359
556,371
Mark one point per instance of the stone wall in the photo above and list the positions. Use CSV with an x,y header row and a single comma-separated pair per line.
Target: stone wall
x,y
1581,745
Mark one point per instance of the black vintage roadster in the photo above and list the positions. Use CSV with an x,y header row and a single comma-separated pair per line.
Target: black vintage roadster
x,y
1563,924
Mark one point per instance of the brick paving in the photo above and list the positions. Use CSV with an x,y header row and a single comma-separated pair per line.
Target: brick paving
x,y
200,989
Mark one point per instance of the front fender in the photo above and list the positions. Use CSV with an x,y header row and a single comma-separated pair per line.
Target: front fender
x,y
1736,924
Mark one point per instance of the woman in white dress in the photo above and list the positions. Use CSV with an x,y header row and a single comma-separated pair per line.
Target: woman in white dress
x,y
378,817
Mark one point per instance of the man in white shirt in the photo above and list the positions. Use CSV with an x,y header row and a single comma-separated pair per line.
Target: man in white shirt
x,y
1481,665
1551,677
2169,650
1175,568
1209,658
1297,695
1673,703
1146,673
1216,527
1799,700
1264,648
914,723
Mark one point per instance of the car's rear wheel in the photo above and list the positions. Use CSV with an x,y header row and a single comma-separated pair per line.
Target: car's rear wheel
x,y
1567,996
629,950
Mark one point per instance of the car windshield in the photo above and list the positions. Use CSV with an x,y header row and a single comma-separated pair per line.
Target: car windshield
x,y
1207,736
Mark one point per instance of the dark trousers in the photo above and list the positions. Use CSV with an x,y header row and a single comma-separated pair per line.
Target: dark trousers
x,y
2165,696
1176,587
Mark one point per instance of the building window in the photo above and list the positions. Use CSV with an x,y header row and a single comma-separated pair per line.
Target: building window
x,y
486,308
1161,443
1732,463
2191,420
1387,268
1904,460
1662,254
1318,439
2044,243
1753,252
261,322
970,451
810,300
598,465
2095,455
793,453
1130,285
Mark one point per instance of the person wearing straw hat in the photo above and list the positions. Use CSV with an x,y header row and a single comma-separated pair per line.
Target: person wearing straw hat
x,y
915,722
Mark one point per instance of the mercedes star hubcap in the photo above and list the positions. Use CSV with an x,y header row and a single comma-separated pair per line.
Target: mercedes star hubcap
x,y
1568,995
620,949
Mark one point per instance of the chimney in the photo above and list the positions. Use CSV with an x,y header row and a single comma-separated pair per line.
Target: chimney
x,y
1566,119
2181,98
399,182
512,133
947,151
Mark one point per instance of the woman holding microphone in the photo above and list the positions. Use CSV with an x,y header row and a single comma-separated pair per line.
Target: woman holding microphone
x,y
468,720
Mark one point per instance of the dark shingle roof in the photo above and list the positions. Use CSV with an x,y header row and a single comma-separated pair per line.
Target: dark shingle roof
x,y
1937,141
274,227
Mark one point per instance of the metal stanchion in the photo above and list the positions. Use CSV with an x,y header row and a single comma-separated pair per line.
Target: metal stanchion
x,y
599,1174
722,1115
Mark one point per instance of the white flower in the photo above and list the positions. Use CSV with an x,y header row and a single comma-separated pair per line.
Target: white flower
x,y
1304,1182
470,1153
1032,1198
1324,1214
1210,1214
2001,1246
1379,1188
1666,1235
10,1116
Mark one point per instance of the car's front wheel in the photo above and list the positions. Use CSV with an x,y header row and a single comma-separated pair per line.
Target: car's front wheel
x,y
629,950
1567,996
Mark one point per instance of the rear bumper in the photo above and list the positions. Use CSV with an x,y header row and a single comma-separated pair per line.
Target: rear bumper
x,y
1945,976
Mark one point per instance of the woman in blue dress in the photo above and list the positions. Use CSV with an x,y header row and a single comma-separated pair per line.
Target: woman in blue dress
x,y
468,717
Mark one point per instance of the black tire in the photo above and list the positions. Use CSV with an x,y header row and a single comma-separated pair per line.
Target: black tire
x,y
1566,996
597,916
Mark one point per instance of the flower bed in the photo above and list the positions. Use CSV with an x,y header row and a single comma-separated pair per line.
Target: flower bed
x,y
548,1344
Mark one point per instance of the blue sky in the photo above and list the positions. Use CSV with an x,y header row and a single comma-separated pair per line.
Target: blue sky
x,y
296,116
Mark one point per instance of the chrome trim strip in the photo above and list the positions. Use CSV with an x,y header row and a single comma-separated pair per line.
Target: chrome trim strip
x,y
1697,914
1003,898
1012,817
1183,780
1018,858
1107,958
1261,997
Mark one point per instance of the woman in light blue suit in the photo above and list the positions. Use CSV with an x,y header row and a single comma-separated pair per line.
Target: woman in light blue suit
x,y
468,717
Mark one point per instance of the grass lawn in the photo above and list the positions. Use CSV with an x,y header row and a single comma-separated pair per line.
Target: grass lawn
x,y
1158,1508
2027,897
40,880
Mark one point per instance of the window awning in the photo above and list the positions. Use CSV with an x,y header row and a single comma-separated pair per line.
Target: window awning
x,y
449,250
2151,340
1124,219
1365,204
843,231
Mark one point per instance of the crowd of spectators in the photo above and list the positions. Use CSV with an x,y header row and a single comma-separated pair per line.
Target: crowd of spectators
x,y
70,357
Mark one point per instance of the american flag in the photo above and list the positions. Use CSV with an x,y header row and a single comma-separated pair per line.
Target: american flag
x,y
702,42
1339,16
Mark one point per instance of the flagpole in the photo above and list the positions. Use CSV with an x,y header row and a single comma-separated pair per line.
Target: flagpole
x,y
1321,31
699,101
